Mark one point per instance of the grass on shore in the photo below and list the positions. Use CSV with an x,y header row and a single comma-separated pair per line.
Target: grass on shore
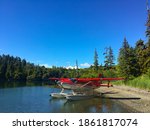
x,y
142,82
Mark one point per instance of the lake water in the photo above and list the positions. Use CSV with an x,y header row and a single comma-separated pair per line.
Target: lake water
x,y
34,98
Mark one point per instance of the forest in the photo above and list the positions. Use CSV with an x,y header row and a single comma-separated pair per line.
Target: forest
x,y
133,62
17,69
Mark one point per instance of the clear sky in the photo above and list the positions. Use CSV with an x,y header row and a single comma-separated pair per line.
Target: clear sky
x,y
59,32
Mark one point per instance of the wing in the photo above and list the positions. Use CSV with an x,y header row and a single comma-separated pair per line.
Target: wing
x,y
111,79
98,79
83,80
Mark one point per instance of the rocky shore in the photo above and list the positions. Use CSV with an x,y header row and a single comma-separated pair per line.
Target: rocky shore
x,y
136,99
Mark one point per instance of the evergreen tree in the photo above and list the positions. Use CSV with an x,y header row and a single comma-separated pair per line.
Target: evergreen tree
x,y
96,64
146,54
126,60
140,55
77,69
109,58
133,63
148,22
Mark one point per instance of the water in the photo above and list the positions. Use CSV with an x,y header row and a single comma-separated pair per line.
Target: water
x,y
34,98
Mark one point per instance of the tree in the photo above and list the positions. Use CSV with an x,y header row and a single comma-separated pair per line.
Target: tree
x,y
96,64
126,61
109,58
77,69
146,54
148,22
133,63
140,56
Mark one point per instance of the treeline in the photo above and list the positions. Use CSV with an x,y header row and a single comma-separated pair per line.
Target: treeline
x,y
134,61
107,69
17,69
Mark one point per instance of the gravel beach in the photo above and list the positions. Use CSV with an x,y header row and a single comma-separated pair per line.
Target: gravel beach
x,y
134,98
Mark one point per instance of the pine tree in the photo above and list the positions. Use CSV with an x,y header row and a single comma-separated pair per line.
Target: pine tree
x,y
96,64
146,52
148,22
133,63
109,58
126,61
77,69
140,55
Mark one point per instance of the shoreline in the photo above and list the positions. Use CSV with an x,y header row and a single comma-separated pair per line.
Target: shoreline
x,y
135,99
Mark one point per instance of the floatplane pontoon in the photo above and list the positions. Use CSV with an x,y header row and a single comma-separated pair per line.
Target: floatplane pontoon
x,y
79,85
62,94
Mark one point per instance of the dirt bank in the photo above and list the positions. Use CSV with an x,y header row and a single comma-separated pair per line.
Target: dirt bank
x,y
136,99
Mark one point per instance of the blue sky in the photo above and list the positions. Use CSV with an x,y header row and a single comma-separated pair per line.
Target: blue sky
x,y
59,32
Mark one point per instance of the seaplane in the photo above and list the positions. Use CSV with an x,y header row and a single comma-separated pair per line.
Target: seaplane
x,y
80,86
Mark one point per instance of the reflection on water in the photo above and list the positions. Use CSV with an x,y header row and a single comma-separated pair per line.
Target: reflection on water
x,y
22,84
94,105
21,97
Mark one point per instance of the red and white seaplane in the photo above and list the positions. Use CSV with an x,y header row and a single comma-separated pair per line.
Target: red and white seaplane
x,y
79,84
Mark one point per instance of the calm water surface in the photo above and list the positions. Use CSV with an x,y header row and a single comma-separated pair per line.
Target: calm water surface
x,y
34,98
